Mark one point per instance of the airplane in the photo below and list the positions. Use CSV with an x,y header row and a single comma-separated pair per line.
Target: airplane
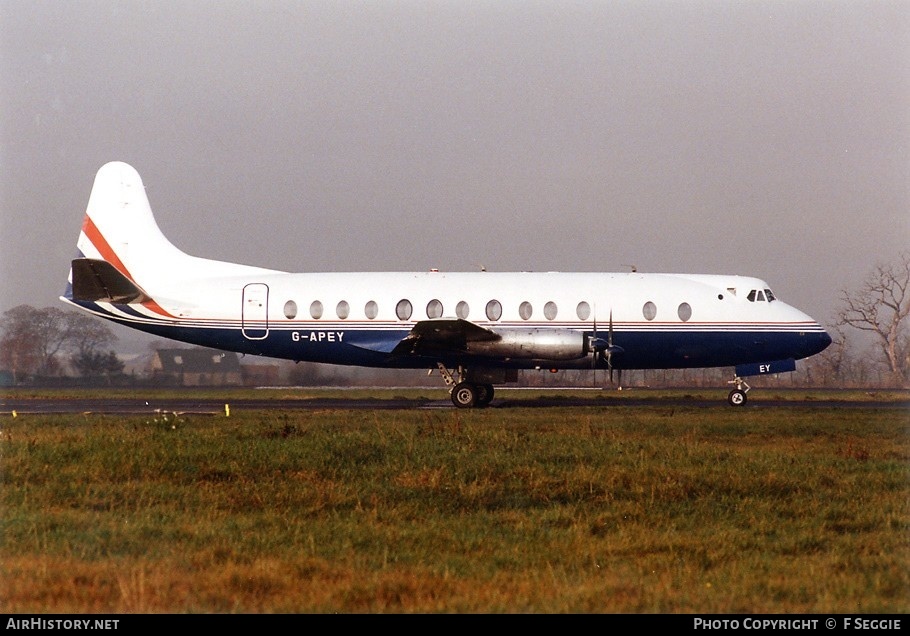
x,y
477,328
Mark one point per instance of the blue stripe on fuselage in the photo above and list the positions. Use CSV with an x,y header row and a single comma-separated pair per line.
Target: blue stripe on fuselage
x,y
683,348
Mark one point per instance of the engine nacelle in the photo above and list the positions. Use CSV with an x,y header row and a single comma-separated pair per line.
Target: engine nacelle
x,y
542,344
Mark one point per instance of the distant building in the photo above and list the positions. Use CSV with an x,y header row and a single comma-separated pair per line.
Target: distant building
x,y
137,365
196,367
260,374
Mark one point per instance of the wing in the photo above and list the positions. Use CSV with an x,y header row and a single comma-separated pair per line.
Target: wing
x,y
443,335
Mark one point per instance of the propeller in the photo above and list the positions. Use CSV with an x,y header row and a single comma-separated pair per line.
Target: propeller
x,y
597,346
605,349
608,352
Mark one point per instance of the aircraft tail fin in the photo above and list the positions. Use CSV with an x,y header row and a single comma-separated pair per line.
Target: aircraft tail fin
x,y
120,242
123,257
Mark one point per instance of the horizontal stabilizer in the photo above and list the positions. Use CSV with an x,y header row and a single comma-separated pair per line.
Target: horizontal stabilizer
x,y
95,280
764,368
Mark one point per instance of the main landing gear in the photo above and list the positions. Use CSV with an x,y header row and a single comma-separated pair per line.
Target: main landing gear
x,y
737,396
465,393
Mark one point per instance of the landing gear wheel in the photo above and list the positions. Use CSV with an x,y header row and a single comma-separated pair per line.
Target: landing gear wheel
x,y
737,397
484,394
464,395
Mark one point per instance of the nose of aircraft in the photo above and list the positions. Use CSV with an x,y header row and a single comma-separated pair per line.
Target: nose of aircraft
x,y
814,339
822,340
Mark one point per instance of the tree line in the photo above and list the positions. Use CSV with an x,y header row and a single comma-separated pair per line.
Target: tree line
x,y
51,342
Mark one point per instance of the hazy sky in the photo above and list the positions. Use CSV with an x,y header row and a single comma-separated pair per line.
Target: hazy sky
x,y
760,138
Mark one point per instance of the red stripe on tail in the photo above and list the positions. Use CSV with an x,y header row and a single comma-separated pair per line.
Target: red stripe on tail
x,y
107,253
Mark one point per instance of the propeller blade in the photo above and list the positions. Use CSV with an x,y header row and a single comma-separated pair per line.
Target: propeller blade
x,y
610,333
609,351
601,348
594,353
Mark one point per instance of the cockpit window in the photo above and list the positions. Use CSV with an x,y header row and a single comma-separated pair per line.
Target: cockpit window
x,y
759,295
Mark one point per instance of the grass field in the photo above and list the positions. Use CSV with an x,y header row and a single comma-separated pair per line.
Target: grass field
x,y
543,510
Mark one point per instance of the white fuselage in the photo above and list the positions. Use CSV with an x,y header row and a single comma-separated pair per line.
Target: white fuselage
x,y
479,322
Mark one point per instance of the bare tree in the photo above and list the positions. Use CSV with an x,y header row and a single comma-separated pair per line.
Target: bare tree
x,y
839,365
34,339
87,335
18,349
51,333
880,307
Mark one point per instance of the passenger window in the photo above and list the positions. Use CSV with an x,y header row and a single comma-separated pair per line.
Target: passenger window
x,y
494,310
290,310
583,311
550,310
649,311
343,309
684,312
403,309
462,310
371,309
525,310
316,310
434,309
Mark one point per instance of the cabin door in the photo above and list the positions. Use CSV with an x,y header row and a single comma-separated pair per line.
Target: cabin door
x,y
255,311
